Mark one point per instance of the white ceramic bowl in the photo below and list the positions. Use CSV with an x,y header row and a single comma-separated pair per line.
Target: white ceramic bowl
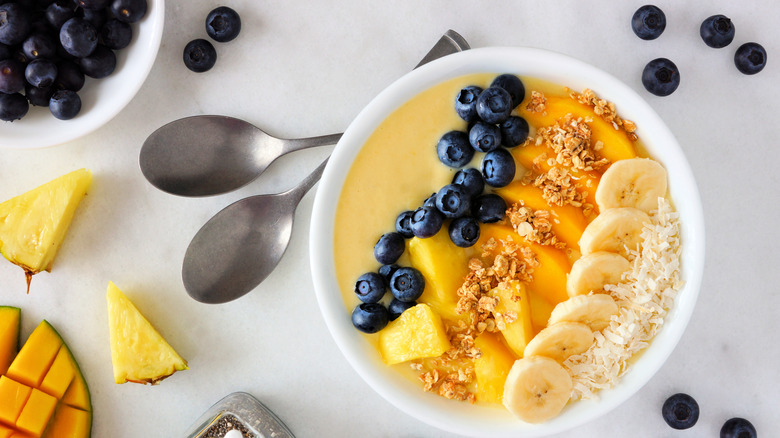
x,y
475,420
101,99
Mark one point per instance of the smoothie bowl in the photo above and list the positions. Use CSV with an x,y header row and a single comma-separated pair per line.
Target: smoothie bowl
x,y
537,290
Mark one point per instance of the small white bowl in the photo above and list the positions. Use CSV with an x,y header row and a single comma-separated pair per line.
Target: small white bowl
x,y
101,99
476,420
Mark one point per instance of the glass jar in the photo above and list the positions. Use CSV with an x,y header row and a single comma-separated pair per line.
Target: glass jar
x,y
242,412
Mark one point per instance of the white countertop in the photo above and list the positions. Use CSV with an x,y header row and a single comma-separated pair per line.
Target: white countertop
x,y
307,68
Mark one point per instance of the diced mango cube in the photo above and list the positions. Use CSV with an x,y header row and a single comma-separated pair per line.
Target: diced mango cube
x,y
60,374
444,266
513,300
10,319
13,395
416,334
36,356
69,422
5,432
492,367
77,394
36,413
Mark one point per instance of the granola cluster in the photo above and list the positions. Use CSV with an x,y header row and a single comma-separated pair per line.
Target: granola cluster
x,y
537,103
534,225
570,139
558,188
606,110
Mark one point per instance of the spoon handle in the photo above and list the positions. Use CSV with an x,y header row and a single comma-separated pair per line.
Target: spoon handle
x,y
296,144
296,193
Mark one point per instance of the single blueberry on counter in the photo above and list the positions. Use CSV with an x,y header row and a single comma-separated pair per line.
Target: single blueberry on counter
x,y
370,287
513,85
426,222
680,411
464,231
750,58
403,224
14,23
717,31
389,248
471,180
661,77
370,317
453,201
484,137
498,168
494,105
454,149
397,307
199,55
13,107
223,24
489,208
407,284
648,22
738,428
466,103
514,131
65,104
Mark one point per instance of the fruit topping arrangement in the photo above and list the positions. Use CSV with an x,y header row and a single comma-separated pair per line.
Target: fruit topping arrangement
x,y
223,24
48,47
533,278
42,389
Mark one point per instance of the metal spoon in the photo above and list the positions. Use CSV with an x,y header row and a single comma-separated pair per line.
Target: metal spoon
x,y
209,154
238,247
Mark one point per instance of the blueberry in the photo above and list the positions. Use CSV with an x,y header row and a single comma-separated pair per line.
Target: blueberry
x,y
407,284
38,96
5,52
661,77
471,180
498,168
101,63
717,31
453,201
494,105
680,411
14,24
389,248
464,231
387,271
454,149
59,12
397,307
223,24
370,317
115,34
430,201
403,224
648,22
97,17
199,55
370,287
12,106
69,76
488,208
65,104
128,11
466,103
513,85
93,4
738,428
514,131
484,137
78,37
41,73
11,76
39,45
426,222
750,58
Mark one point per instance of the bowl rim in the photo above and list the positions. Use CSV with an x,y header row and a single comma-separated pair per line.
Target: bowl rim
x,y
123,84
531,62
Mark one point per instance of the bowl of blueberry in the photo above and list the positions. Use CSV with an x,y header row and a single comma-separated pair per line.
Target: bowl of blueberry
x,y
67,67
507,242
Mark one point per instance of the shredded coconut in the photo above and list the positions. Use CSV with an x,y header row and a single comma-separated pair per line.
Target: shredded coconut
x,y
644,297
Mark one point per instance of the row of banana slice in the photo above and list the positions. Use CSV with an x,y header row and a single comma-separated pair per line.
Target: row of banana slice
x,y
538,386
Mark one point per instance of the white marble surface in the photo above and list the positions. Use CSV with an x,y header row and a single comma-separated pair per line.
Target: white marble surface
x,y
306,68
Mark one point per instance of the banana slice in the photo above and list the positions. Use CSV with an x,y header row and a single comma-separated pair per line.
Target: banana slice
x,y
635,182
592,310
593,271
559,341
536,389
614,230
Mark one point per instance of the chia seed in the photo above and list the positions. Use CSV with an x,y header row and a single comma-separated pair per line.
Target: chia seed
x,y
225,424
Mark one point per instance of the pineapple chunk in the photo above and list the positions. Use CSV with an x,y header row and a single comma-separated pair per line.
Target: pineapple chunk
x,y
513,299
444,267
138,352
33,225
416,334
492,367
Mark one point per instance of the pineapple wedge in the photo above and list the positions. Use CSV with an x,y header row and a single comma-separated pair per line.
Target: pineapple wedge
x,y
138,352
33,225
416,334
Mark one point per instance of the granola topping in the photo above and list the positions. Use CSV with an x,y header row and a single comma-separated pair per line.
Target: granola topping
x,y
570,139
537,103
534,225
606,110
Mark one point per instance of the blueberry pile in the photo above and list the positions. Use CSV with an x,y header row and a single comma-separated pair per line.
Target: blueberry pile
x,y
661,76
460,206
47,47
223,24
680,411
